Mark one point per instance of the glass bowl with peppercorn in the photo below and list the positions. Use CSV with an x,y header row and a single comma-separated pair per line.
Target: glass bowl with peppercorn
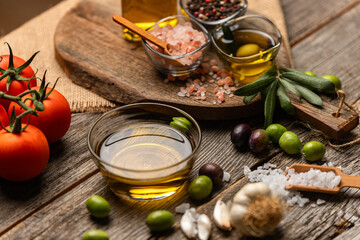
x,y
247,46
187,43
213,12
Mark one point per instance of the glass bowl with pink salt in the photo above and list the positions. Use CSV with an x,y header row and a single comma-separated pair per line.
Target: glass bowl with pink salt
x,y
187,43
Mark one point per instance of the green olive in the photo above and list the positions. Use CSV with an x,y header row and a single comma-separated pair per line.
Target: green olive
x,y
275,131
160,220
200,188
290,143
310,73
183,120
181,123
248,50
335,80
98,206
95,234
313,151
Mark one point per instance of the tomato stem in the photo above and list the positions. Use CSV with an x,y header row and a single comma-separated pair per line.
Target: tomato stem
x,y
15,121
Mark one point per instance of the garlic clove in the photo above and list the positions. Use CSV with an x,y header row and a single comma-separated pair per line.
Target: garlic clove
x,y
237,212
252,190
188,223
242,199
204,227
222,216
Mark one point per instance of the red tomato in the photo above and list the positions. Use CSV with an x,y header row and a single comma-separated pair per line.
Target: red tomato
x,y
54,121
23,155
16,87
4,119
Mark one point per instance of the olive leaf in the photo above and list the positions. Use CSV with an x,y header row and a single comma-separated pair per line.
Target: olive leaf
x,y
309,95
307,80
284,100
254,87
248,99
270,102
261,83
289,86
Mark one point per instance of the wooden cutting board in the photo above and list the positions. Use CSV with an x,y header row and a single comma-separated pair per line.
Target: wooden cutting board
x,y
90,48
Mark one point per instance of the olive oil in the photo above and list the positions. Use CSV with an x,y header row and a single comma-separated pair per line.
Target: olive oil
x,y
251,52
135,152
145,13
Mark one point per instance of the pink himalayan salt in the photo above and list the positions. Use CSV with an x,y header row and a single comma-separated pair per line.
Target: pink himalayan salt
x,y
191,88
181,39
220,96
213,62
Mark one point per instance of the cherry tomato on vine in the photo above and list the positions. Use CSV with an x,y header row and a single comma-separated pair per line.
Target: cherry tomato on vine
x,y
54,121
24,155
4,119
18,73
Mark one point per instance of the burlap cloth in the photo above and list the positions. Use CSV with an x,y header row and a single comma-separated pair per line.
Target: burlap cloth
x,y
38,33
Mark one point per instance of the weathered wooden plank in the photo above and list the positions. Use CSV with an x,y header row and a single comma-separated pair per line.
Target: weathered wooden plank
x,y
322,222
216,147
69,163
333,50
303,17
352,234
54,217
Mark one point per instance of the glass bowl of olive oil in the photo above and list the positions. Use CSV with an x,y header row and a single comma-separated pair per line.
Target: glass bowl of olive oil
x,y
145,151
247,46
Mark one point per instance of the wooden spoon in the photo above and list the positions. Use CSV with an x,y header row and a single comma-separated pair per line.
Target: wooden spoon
x,y
346,180
146,35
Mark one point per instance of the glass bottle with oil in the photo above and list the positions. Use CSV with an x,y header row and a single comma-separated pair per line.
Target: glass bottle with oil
x,y
248,47
145,157
145,13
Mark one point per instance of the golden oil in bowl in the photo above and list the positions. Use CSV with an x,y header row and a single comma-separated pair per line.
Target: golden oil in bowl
x,y
254,45
145,13
145,146
140,153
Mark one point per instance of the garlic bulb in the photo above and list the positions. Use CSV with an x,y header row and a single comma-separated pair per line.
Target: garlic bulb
x,y
256,210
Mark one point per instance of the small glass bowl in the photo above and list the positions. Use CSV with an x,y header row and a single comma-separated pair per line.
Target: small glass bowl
x,y
136,157
247,69
165,63
211,24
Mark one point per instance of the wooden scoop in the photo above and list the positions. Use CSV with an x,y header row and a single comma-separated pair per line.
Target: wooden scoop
x,y
346,180
146,35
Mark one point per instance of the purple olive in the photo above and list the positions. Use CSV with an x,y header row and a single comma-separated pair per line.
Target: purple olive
x,y
240,134
259,140
213,171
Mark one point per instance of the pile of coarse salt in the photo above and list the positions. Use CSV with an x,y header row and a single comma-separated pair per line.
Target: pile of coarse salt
x,y
198,87
313,178
276,180
182,39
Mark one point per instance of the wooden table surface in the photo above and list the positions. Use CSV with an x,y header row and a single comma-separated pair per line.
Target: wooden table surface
x,y
324,37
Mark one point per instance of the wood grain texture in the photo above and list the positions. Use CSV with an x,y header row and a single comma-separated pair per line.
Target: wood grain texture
x,y
304,17
324,118
299,223
333,50
55,213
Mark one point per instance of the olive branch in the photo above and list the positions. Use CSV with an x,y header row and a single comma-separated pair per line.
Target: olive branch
x,y
276,81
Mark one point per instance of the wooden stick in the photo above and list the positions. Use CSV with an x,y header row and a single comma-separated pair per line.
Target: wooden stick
x,y
141,32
